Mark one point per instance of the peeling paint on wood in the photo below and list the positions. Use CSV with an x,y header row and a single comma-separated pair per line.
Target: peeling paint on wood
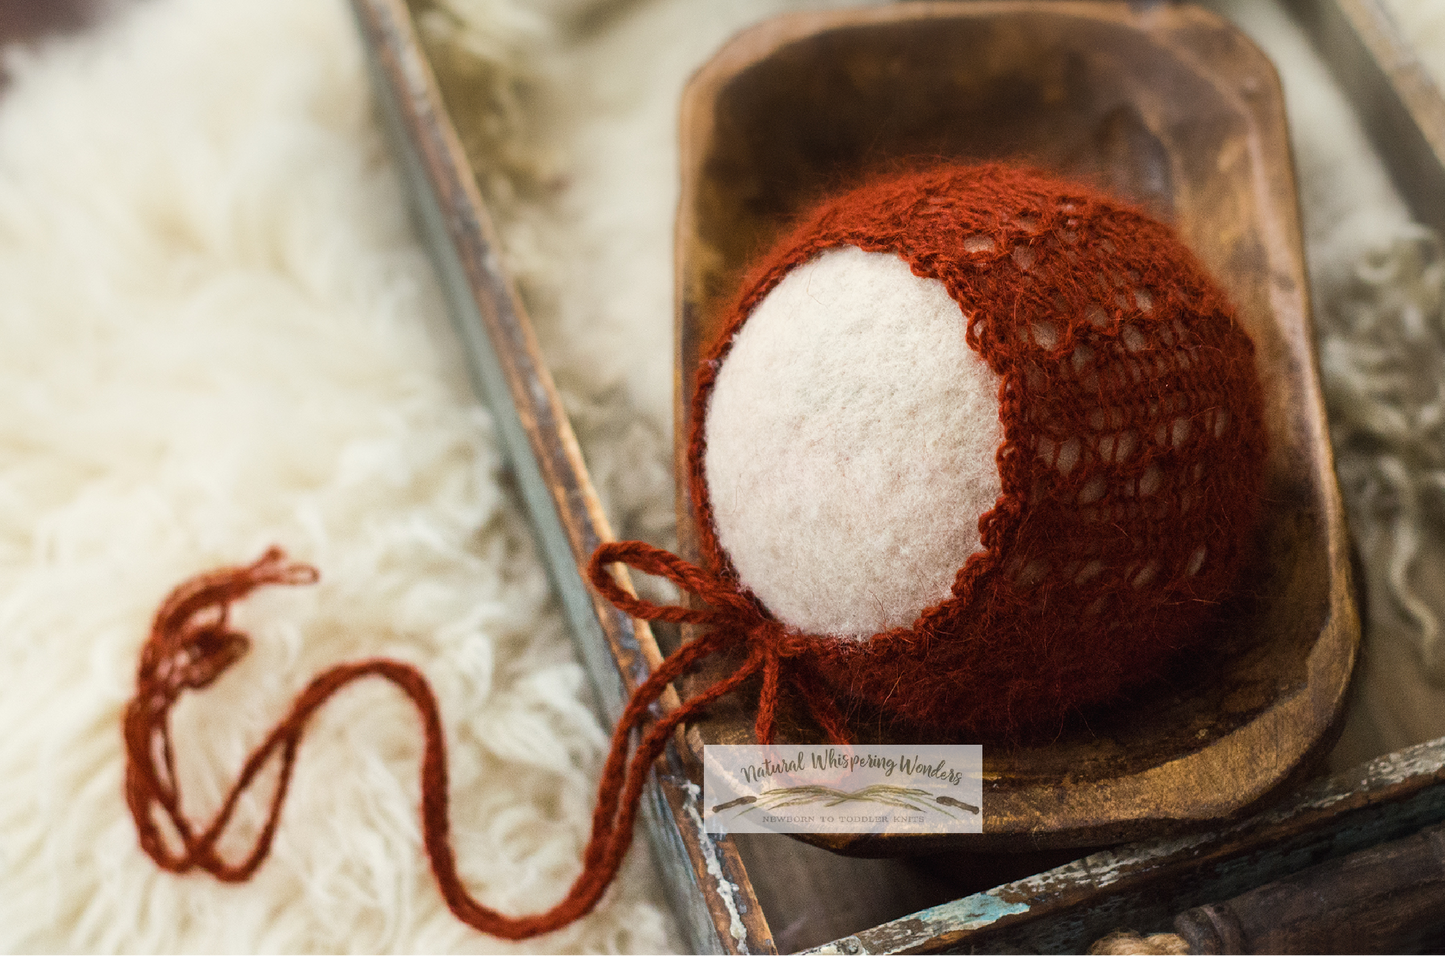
x,y
725,888
1143,886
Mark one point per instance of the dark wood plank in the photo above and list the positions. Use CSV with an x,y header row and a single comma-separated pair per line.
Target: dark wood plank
x,y
1387,899
1142,887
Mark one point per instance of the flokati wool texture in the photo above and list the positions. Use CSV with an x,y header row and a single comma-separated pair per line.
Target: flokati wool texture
x,y
851,442
219,331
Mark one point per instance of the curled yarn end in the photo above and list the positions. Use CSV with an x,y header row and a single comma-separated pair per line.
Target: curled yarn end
x,y
191,644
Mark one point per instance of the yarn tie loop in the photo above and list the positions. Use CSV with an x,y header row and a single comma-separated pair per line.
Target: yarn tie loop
x,y
191,645
736,619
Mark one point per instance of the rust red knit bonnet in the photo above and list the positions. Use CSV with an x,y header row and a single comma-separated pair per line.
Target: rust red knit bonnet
x,y
1131,461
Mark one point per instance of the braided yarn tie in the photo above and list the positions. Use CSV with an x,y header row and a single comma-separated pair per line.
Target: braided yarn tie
x,y
191,645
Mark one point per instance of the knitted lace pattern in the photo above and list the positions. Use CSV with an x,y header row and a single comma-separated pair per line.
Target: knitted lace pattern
x,y
1133,447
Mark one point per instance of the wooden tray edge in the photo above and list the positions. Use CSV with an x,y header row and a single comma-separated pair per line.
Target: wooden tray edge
x,y
704,875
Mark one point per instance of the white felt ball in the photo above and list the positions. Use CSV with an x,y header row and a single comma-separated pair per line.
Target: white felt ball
x,y
851,441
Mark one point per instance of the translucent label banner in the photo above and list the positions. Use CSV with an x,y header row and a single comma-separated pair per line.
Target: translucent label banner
x,y
839,788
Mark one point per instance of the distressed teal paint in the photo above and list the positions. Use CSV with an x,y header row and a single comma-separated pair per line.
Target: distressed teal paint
x,y
972,912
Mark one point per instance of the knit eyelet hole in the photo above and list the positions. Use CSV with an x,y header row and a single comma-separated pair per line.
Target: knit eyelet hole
x,y
1063,456
1149,481
1173,434
1068,456
1024,256
1032,573
1028,222
1146,574
1143,299
1134,340
1081,357
1093,490
1118,446
1045,333
975,245
1179,432
1096,316
1221,421
1196,561
1102,418
1089,571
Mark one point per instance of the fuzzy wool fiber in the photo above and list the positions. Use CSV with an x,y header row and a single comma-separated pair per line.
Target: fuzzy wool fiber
x,y
218,331
852,429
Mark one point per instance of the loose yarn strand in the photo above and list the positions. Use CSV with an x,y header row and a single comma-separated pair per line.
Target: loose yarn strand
x,y
772,648
191,645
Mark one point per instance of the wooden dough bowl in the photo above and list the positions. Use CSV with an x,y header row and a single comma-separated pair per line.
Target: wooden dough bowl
x,y
1169,106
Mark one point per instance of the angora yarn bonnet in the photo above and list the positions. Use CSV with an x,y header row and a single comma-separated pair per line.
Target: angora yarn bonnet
x,y
840,450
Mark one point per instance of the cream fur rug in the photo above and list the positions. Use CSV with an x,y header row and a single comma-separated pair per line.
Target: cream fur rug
x,y
217,331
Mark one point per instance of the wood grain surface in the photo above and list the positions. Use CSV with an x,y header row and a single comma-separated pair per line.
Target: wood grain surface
x,y
1143,886
1387,899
